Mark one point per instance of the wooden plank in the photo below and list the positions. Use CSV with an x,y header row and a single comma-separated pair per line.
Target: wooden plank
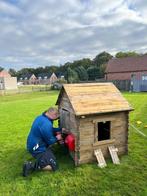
x,y
104,142
81,161
86,147
88,84
84,89
86,142
86,154
84,128
120,123
100,158
122,149
113,152
81,110
116,117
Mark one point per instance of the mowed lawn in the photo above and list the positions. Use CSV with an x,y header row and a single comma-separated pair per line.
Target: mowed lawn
x,y
16,115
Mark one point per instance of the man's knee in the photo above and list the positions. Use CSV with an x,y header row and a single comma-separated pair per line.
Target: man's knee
x,y
46,159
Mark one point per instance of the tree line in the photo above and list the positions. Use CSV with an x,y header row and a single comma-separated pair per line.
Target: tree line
x,y
79,70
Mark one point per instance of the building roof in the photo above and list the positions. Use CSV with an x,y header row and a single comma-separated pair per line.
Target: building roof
x,y
28,76
4,74
42,75
94,98
127,64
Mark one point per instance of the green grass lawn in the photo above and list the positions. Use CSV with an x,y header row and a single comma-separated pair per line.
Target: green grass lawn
x,y
16,115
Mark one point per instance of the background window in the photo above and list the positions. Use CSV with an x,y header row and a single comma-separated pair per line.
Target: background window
x,y
144,77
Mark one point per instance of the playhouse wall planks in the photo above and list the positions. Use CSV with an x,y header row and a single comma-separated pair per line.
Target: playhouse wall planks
x,y
89,111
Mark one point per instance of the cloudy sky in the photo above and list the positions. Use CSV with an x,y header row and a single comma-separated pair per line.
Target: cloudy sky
x,y
51,32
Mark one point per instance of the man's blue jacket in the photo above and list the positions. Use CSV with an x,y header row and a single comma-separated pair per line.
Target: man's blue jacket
x,y
41,135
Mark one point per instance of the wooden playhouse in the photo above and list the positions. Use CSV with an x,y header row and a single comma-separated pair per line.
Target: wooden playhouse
x,y
98,115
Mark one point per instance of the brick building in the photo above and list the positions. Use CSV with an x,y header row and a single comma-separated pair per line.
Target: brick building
x,y
127,68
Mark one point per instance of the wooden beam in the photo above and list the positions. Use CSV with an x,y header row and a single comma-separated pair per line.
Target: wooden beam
x,y
100,158
113,152
104,142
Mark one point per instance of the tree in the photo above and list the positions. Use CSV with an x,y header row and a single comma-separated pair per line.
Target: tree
x,y
38,70
93,73
126,54
102,70
63,69
1,68
86,62
12,72
82,73
102,58
72,76
51,69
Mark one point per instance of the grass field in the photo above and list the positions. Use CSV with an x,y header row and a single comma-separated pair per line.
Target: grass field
x,y
16,115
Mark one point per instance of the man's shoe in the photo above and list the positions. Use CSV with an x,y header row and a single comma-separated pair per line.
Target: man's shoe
x,y
53,164
28,167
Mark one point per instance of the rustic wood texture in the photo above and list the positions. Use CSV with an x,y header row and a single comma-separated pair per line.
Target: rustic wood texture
x,y
100,158
87,156
94,98
65,103
88,135
82,107
104,142
113,152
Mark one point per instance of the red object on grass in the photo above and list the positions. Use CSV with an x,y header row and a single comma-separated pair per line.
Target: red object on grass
x,y
70,142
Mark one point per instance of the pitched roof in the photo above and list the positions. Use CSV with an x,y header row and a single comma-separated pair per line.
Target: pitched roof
x,y
28,76
127,64
4,74
94,98
48,75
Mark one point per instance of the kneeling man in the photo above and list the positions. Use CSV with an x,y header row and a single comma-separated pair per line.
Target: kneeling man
x,y
41,136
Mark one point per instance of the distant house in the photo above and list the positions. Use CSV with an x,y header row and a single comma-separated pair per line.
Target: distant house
x,y
42,78
53,78
28,79
125,68
4,74
47,78
6,81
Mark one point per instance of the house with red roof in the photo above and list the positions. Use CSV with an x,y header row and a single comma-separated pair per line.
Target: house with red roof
x,y
133,69
6,81
125,68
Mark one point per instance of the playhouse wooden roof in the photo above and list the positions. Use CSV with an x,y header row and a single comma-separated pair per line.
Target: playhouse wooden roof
x,y
94,98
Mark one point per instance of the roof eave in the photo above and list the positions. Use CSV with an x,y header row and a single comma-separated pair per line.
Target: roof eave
x,y
104,112
59,96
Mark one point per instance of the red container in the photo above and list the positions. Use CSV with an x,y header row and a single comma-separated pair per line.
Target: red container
x,y
70,142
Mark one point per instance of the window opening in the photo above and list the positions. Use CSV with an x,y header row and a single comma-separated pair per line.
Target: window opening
x,y
103,130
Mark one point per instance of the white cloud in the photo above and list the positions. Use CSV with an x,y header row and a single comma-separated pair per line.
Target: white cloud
x,y
51,32
8,9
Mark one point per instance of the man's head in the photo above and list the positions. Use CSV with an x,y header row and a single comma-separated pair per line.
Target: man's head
x,y
52,113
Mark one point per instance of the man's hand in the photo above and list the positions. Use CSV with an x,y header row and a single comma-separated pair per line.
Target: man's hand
x,y
59,136
63,129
